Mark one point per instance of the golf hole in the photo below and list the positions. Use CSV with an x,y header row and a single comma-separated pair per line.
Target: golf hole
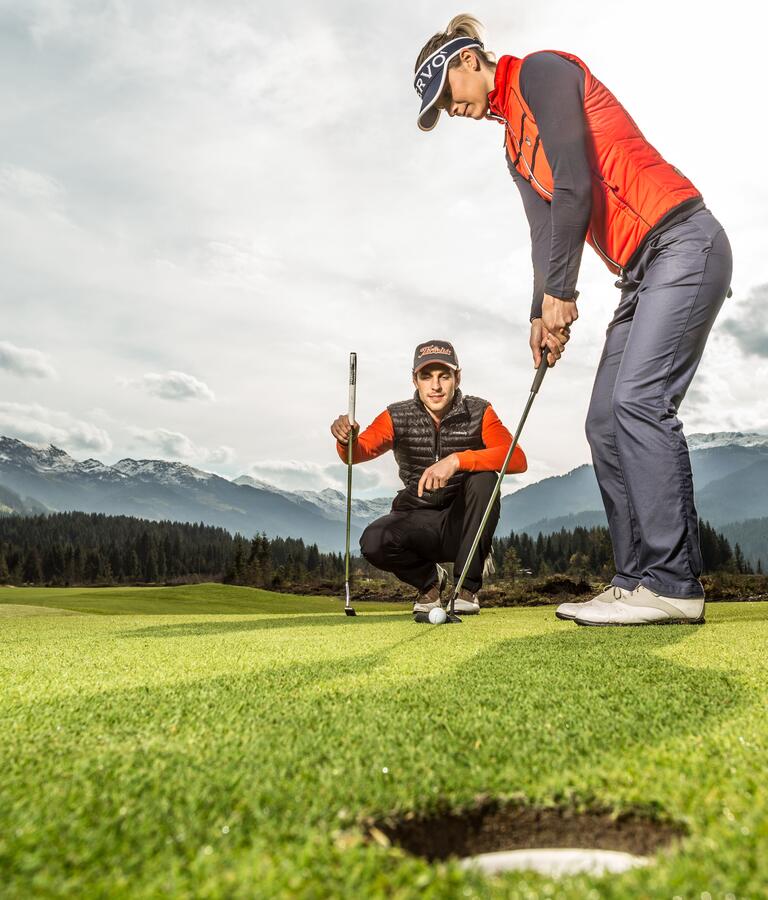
x,y
499,837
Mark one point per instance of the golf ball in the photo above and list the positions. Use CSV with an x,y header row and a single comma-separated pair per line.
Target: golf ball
x,y
437,616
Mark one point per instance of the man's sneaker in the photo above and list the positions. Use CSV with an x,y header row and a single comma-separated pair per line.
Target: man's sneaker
x,y
430,599
569,611
645,607
466,604
427,600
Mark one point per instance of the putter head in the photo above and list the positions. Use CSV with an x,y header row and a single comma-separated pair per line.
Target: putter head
x,y
349,611
450,614
423,618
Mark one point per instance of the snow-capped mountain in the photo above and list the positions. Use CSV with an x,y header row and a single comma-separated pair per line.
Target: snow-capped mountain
x,y
335,504
264,486
161,471
701,441
331,503
730,476
47,459
46,477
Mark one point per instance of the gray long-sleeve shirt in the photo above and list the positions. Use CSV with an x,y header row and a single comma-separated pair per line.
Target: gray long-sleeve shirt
x,y
553,88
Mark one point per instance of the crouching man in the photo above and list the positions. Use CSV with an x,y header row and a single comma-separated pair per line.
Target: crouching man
x,y
448,448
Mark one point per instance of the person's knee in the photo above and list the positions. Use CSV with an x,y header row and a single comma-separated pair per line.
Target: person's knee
x,y
630,405
377,542
480,484
598,424
478,488
371,543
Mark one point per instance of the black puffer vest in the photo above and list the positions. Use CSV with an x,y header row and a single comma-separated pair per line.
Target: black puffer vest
x,y
419,443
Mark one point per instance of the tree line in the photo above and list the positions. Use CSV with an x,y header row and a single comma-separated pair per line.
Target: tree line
x,y
588,551
277,562
76,548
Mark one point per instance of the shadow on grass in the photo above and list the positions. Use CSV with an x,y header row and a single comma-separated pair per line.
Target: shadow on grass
x,y
187,629
290,746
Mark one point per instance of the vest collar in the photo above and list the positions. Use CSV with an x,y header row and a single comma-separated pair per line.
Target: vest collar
x,y
501,81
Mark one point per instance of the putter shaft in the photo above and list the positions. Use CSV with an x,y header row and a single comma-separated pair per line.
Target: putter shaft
x,y
540,372
350,450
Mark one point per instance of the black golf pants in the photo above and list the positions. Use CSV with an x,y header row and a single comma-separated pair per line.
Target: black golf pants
x,y
410,542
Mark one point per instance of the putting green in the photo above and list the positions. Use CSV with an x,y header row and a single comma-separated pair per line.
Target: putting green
x,y
17,611
213,741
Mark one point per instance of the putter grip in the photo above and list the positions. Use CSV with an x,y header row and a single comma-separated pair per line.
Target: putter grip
x,y
352,386
541,371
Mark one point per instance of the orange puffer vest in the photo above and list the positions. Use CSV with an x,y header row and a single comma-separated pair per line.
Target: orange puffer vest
x,y
632,186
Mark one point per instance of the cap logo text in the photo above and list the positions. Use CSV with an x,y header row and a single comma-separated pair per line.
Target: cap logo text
x,y
434,348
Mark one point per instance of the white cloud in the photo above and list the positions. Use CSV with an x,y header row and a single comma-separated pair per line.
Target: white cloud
x,y
217,176
750,328
221,456
37,424
175,446
238,263
16,181
172,386
25,361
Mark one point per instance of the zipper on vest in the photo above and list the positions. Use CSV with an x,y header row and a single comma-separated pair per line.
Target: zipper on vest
x,y
604,254
623,202
532,176
438,491
521,155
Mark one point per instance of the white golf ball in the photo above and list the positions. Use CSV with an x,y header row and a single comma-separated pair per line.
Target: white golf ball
x,y
437,616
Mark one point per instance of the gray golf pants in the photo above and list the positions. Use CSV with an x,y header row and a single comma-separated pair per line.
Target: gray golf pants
x,y
669,303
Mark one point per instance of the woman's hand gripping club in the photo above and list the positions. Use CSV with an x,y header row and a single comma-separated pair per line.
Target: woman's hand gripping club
x,y
553,330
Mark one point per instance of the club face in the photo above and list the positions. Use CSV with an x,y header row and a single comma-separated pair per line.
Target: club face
x,y
423,619
349,611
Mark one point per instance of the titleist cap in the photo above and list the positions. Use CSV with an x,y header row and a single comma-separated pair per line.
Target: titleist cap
x,y
431,76
435,352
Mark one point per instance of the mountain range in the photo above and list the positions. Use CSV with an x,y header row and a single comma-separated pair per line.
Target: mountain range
x,y
730,475
36,479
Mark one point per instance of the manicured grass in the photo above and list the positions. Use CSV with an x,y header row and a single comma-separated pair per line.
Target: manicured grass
x,y
148,749
205,599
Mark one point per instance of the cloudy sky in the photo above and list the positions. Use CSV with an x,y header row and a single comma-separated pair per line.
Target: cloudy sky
x,y
205,205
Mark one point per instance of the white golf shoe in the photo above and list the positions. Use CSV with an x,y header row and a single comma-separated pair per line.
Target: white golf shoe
x,y
466,604
644,607
570,611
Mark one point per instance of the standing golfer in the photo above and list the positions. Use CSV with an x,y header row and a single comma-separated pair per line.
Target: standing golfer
x,y
586,173
448,448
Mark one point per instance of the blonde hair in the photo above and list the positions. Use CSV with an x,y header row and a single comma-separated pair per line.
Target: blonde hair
x,y
462,25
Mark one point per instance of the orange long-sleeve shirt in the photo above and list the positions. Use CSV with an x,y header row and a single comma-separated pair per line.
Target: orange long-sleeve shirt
x,y
379,436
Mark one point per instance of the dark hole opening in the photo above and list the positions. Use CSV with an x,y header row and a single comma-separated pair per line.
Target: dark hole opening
x,y
491,826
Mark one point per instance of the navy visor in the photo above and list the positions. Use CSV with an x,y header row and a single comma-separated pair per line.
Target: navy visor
x,y
431,76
